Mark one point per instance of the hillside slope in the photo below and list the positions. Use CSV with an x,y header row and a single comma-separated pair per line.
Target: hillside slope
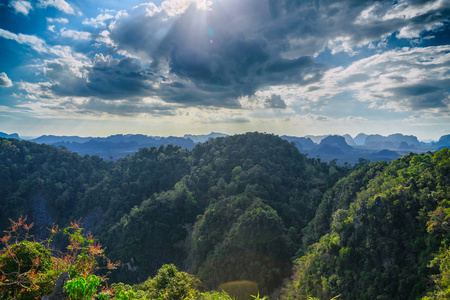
x,y
242,208
237,216
381,243
242,198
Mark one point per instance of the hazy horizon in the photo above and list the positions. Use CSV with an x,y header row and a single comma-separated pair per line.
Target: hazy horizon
x,y
168,68
28,137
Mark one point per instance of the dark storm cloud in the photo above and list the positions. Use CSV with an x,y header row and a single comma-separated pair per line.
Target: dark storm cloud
x,y
189,95
106,79
437,100
416,90
119,79
274,101
122,108
424,96
212,57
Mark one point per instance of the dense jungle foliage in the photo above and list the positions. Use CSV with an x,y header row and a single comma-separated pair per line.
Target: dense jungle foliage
x,y
29,270
245,208
390,242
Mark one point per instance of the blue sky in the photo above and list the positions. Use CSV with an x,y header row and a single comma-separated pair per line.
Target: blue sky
x,y
95,68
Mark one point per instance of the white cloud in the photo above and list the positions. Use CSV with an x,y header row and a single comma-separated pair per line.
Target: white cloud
x,y
99,21
58,4
75,35
39,45
35,91
353,118
403,14
58,20
103,37
176,7
408,79
314,117
341,44
4,80
404,10
34,42
21,6
68,65
414,31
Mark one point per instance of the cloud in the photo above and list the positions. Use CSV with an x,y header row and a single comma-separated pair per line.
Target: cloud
x,y
45,102
408,79
217,119
424,96
65,53
117,79
216,53
4,80
24,7
99,21
34,42
353,118
106,78
75,35
35,91
274,101
225,120
234,48
21,6
58,4
411,17
314,118
343,26
58,20
118,108
109,78
209,56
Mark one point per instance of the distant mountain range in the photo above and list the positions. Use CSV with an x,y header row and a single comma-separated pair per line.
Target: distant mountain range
x,y
371,147
9,136
343,148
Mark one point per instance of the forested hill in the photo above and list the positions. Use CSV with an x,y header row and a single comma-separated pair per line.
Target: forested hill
x,y
380,233
230,209
244,207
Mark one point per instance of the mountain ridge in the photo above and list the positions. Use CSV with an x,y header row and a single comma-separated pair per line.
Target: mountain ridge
x,y
370,147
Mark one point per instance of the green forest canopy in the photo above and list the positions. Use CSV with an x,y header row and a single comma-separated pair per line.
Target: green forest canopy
x,y
247,207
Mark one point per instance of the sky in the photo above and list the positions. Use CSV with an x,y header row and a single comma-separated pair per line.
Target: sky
x,y
309,67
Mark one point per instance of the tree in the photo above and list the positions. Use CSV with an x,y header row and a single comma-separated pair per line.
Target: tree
x,y
28,268
25,266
